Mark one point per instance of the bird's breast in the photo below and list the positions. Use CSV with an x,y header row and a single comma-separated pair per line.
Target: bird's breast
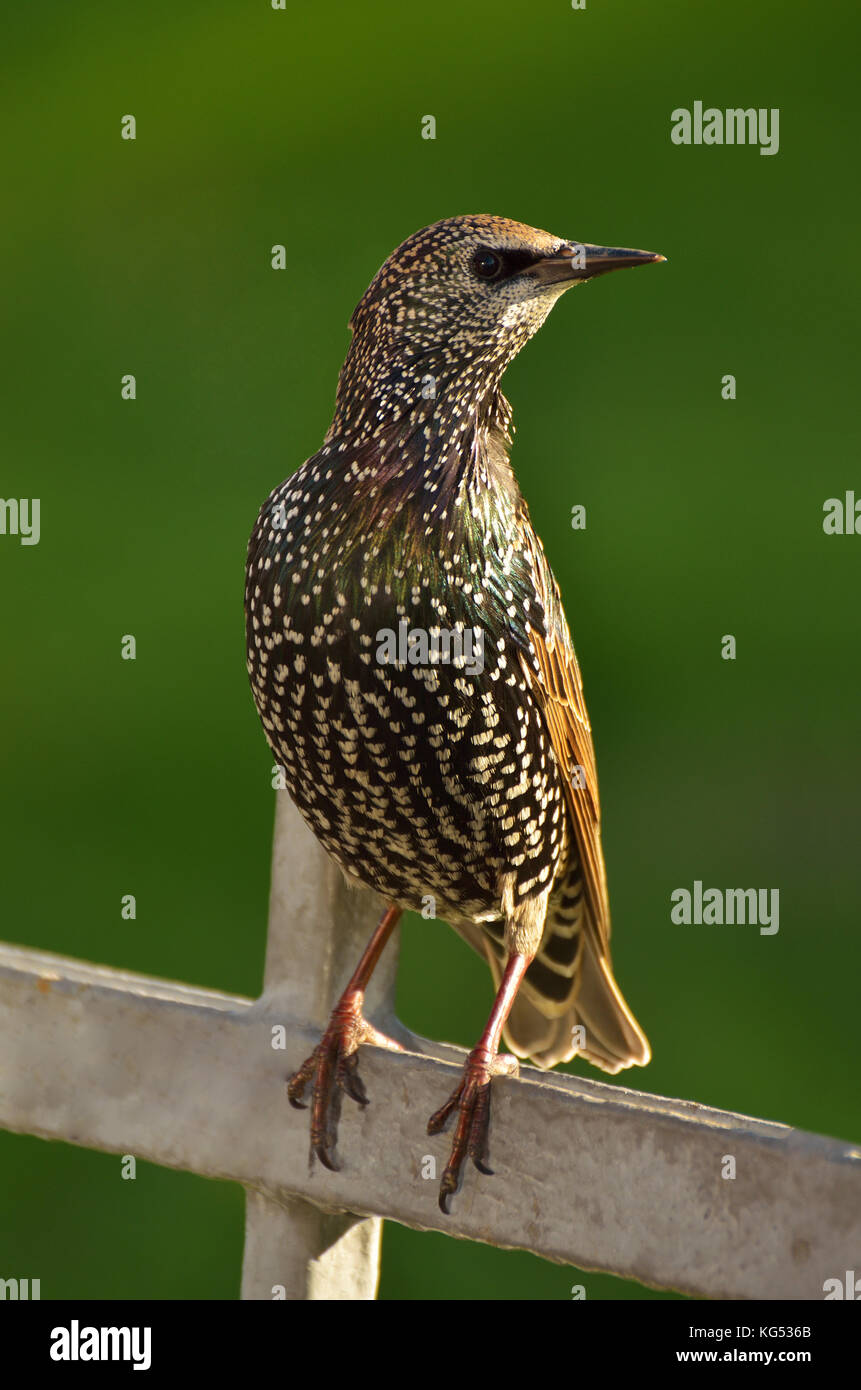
x,y
389,681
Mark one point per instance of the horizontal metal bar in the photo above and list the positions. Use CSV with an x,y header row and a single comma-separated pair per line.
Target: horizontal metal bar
x,y
585,1173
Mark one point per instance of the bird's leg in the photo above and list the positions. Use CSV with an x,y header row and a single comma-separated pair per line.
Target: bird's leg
x,y
333,1065
471,1098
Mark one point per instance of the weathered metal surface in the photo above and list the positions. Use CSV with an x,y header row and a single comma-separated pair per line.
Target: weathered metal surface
x,y
586,1173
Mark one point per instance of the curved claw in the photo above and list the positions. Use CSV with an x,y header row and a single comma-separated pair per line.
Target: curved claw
x,y
322,1152
447,1189
299,1080
349,1080
333,1071
437,1121
471,1100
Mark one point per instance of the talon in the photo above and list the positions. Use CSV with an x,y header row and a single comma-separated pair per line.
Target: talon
x,y
333,1071
439,1118
350,1081
471,1100
447,1189
298,1081
322,1152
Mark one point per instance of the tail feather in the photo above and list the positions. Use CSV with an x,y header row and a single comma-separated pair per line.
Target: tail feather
x,y
542,1028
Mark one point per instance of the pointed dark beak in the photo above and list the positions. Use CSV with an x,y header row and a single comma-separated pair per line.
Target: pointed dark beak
x,y
580,261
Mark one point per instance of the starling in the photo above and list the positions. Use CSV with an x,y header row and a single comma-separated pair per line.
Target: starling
x,y
412,666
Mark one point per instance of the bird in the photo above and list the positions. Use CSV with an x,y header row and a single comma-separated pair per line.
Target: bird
x,y
414,672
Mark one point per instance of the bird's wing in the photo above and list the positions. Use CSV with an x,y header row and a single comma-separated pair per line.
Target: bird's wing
x,y
580,987
554,677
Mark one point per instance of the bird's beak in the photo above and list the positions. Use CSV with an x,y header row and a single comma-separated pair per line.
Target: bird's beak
x,y
580,261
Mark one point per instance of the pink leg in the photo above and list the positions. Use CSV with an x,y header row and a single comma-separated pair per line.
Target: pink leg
x,y
333,1065
471,1098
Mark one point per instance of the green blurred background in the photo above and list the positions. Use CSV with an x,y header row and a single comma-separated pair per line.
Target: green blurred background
x,y
704,517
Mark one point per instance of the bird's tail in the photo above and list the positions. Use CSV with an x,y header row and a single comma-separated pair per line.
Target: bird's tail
x,y
586,1017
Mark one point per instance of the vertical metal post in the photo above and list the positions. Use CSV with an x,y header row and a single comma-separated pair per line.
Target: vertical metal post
x,y
318,927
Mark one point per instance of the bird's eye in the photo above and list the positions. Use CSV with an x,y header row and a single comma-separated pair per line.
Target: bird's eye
x,y
486,264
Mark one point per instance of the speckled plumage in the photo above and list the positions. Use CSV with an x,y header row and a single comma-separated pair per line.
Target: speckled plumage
x,y
433,780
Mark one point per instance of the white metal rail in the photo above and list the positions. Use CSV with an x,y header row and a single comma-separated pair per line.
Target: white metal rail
x,y
589,1174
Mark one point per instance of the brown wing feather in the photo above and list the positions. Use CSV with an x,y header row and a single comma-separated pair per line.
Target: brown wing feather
x,y
561,690
614,1039
559,686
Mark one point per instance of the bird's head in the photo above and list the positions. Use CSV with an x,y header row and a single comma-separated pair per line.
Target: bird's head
x,y
456,302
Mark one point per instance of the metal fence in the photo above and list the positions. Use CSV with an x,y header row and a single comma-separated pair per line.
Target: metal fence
x,y
668,1192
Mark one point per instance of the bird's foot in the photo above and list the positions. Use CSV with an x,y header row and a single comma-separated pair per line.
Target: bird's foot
x,y
471,1100
333,1068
